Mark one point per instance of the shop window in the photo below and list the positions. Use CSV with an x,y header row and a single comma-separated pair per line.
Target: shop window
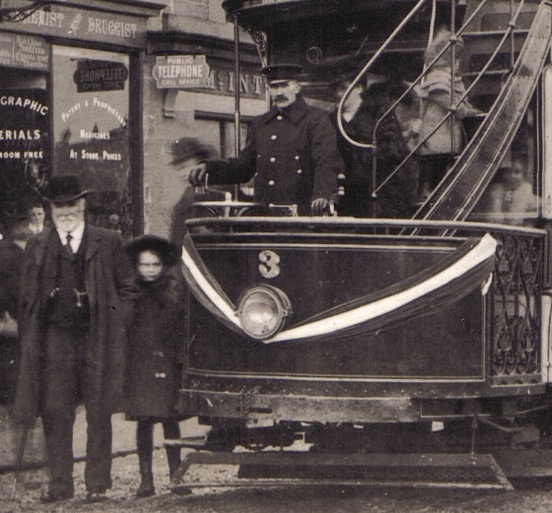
x,y
24,143
218,130
91,130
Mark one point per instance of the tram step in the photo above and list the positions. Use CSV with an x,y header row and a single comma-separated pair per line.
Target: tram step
x,y
284,468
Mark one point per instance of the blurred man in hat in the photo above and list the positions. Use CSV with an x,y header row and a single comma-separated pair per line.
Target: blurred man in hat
x,y
187,153
76,295
291,150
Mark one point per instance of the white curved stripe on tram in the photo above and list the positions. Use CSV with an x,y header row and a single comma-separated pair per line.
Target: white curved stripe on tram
x,y
485,249
226,308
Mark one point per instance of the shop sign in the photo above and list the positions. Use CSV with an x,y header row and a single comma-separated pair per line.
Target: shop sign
x,y
26,52
23,124
180,71
222,81
215,79
69,22
24,147
94,75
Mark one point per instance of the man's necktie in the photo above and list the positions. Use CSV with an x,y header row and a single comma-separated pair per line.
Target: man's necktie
x,y
68,247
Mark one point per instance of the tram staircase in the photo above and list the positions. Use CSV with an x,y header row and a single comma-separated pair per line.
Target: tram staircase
x,y
464,183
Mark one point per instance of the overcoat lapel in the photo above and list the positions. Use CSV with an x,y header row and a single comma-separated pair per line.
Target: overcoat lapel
x,y
42,245
92,243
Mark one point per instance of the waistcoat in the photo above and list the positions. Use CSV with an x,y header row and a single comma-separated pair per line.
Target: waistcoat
x,y
67,303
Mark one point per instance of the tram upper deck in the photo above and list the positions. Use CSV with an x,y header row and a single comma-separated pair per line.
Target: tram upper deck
x,y
504,67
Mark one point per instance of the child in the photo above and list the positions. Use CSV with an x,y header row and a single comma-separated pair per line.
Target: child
x,y
156,356
510,198
440,85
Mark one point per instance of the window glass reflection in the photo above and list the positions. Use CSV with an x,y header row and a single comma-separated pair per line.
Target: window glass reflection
x,y
91,129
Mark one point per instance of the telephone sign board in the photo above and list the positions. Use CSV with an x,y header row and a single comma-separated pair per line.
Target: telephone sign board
x,y
178,71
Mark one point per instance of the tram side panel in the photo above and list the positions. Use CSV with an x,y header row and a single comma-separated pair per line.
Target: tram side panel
x,y
444,349
443,341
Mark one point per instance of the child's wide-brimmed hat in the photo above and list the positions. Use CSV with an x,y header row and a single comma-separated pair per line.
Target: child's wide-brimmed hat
x,y
367,81
168,252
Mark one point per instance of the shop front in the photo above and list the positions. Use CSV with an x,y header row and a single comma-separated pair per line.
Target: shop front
x,y
190,83
70,103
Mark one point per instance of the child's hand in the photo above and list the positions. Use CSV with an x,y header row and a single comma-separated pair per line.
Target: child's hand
x,y
416,126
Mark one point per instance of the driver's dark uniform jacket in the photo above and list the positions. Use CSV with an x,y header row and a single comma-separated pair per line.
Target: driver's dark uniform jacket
x,y
292,152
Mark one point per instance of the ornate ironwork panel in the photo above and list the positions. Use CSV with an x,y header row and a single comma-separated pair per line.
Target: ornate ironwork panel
x,y
259,38
516,309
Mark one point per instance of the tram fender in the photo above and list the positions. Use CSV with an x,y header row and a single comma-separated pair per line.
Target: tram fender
x,y
293,407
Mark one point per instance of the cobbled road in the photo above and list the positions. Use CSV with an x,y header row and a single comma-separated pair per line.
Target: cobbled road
x,y
532,496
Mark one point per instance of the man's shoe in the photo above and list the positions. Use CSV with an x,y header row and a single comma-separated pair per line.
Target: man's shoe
x,y
51,496
96,495
145,489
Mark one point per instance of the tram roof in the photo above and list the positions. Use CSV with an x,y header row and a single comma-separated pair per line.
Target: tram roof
x,y
255,11
262,14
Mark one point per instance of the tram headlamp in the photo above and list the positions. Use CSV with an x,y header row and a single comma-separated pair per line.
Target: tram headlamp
x,y
263,311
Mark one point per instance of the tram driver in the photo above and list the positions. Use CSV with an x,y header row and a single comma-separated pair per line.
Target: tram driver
x,y
291,150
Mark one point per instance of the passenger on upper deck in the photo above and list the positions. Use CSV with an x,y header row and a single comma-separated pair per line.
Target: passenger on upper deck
x,y
442,141
510,198
291,150
364,106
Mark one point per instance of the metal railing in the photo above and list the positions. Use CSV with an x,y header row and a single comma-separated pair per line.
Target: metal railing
x,y
509,32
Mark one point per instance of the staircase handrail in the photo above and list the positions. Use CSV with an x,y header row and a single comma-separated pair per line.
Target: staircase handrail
x,y
365,69
453,108
455,198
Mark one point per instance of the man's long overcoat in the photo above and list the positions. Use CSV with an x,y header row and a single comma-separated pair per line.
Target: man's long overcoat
x,y
111,288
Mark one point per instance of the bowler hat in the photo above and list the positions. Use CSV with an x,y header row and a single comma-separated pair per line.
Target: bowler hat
x,y
168,253
281,72
367,80
186,148
64,188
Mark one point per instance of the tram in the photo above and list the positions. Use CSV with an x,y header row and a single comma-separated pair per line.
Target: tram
x,y
413,349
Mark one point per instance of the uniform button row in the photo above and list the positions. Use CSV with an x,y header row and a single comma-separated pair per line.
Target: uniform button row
x,y
161,375
272,182
273,159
